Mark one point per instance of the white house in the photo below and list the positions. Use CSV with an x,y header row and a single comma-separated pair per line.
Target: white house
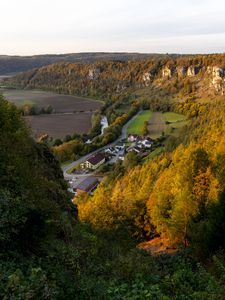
x,y
146,143
132,138
94,161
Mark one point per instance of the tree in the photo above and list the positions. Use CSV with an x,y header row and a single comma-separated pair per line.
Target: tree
x,y
131,160
145,129
57,142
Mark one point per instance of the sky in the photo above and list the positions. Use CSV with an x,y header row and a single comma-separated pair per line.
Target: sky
x,y
29,27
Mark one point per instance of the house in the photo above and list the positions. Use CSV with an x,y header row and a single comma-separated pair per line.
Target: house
x,y
146,143
132,138
120,146
94,161
87,185
136,149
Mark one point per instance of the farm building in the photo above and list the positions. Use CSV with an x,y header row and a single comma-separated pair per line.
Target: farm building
x,y
147,143
120,146
136,149
94,161
87,185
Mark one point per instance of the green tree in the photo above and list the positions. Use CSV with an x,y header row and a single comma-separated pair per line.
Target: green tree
x,y
131,160
145,129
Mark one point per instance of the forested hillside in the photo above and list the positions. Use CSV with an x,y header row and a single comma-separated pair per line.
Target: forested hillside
x,y
46,253
199,77
178,196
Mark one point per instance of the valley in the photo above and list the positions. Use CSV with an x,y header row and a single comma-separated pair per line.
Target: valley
x,y
128,193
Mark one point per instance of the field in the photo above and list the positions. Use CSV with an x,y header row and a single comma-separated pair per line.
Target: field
x,y
137,125
58,126
60,103
175,121
157,125
70,115
166,123
172,117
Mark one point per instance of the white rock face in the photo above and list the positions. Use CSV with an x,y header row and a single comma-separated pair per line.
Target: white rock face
x,y
192,71
218,81
209,69
94,73
147,77
167,72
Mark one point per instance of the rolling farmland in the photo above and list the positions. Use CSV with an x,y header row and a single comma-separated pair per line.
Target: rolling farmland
x,y
70,115
60,103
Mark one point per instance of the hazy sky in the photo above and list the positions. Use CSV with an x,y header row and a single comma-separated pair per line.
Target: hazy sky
x,y
62,26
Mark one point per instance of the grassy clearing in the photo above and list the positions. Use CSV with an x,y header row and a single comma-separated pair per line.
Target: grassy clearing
x,y
137,124
174,117
71,170
176,121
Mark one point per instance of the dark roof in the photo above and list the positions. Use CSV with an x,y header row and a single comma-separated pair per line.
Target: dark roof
x,y
95,159
120,144
150,139
88,184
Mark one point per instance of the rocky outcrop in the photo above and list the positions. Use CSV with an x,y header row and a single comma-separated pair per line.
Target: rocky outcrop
x,y
209,70
192,71
218,80
147,77
94,73
167,72
181,71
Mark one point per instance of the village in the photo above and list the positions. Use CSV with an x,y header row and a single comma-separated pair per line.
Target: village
x,y
86,175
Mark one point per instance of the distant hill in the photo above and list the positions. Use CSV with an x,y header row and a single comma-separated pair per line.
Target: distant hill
x,y
15,64
181,77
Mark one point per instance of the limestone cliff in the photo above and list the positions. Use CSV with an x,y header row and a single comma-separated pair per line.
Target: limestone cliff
x,y
197,76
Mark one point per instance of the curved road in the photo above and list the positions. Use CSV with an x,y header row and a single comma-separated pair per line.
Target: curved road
x,y
85,157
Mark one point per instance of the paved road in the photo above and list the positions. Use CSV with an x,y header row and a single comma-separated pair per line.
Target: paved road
x,y
85,157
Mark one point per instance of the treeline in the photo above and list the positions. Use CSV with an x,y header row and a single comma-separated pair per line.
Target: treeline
x,y
32,109
175,196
